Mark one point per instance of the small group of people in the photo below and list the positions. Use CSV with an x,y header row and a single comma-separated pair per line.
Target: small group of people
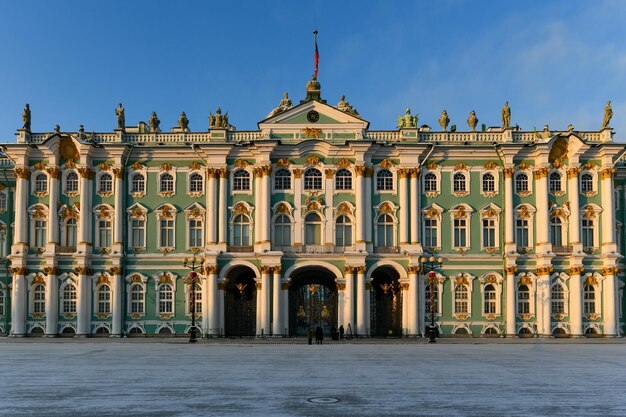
x,y
319,335
334,333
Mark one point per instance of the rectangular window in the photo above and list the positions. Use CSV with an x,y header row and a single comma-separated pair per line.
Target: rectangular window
x,y
523,302
430,233
195,233
587,233
489,233
40,233
167,233
460,233
105,233
137,230
490,302
521,233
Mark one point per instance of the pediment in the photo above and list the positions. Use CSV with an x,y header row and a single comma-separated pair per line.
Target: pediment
x,y
329,117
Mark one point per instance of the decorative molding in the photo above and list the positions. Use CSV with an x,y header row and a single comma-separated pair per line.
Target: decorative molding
x,y
22,173
576,270
511,270
83,270
195,165
607,173
541,173
330,173
386,163
283,163
544,270
344,163
166,167
573,172
509,172
297,173
311,132
312,160
491,165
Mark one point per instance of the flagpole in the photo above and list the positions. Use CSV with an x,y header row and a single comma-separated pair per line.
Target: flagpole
x,y
315,53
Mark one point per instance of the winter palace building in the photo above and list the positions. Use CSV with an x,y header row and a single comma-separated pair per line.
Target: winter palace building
x,y
312,220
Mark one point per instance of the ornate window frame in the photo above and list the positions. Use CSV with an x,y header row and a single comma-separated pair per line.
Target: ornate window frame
x,y
593,279
35,280
432,168
66,214
243,208
99,281
194,212
562,213
4,199
560,278
64,175
432,211
562,179
282,208
527,212
490,212
309,169
591,169
103,212
462,169
591,212
192,172
135,278
345,208
137,212
138,168
523,168
461,211
352,180
166,212
466,280
494,279
490,168
251,178
389,208
104,169
33,183
530,280
166,169
275,171
394,178
38,212
160,279
67,279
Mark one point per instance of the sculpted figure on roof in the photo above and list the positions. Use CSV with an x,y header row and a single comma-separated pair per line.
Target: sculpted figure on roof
x,y
26,118
183,122
121,119
506,116
444,120
285,104
608,114
154,122
345,107
218,120
407,120
472,120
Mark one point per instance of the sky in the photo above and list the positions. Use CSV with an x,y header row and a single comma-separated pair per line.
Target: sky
x,y
556,62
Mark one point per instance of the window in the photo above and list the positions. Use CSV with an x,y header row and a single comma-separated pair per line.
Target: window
x,y
461,297
40,233
241,180
39,299
138,184
459,184
2,298
282,231
460,233
41,183
282,179
136,299
166,184
197,298
137,233
313,229
195,233
557,296
3,241
106,183
384,180
556,231
71,182
522,233
343,180
521,183
196,183
104,300
523,300
489,233
343,231
489,183
105,233
427,304
3,201
489,306
167,233
430,182
166,299
589,299
385,231
313,179
587,233
586,183
554,182
69,299
71,229
241,230
430,233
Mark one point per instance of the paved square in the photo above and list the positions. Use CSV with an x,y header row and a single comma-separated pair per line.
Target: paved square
x,y
107,378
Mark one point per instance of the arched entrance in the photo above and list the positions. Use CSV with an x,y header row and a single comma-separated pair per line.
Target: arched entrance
x,y
312,301
386,303
240,303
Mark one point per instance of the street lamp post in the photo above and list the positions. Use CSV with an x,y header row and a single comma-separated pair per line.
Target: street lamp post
x,y
429,264
191,280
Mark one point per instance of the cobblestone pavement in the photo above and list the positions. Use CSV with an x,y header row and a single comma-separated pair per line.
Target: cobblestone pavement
x,y
284,377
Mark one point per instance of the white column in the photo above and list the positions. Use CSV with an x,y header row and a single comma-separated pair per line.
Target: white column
x,y
53,207
118,292
542,242
277,317
118,232
414,207
265,297
510,300
21,205
404,206
297,213
574,208
543,301
220,294
284,293
223,206
259,209
575,300
259,308
266,202
83,306
360,203
608,212
341,304
213,303
609,290
367,221
404,288
204,303
328,211
18,301
212,207
52,301
508,207
361,318
413,307
348,299
85,206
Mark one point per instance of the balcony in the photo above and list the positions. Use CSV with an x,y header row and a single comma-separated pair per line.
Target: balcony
x,y
314,249
562,249
66,249
240,249
386,249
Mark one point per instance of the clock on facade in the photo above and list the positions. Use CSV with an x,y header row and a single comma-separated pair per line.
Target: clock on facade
x,y
313,116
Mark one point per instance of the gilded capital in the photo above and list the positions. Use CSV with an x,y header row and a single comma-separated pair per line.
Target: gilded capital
x,y
223,172
118,172
576,270
542,172
115,270
330,173
17,271
573,172
54,172
415,172
508,172
511,270
210,269
607,173
341,286
349,269
22,173
609,270
297,173
359,170
81,270
259,285
544,270
404,172
413,269
266,269
85,172
51,270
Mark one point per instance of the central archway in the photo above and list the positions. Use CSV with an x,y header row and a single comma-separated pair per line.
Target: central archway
x,y
386,303
312,301
240,302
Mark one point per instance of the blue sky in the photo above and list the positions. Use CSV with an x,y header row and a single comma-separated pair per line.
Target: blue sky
x,y
555,62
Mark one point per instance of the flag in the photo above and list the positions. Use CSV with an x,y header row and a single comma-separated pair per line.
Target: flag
x,y
317,56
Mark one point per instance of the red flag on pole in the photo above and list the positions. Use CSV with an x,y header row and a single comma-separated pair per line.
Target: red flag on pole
x,y
317,54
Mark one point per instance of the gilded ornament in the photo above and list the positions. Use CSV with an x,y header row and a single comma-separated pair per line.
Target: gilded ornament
x,y
344,163
38,279
297,173
240,209
359,170
386,163
137,213
314,205
573,172
344,208
51,270
589,165
414,172
115,270
510,270
523,166
137,166
104,166
461,280
542,172
166,167
432,165
444,120
385,208
259,286
460,212
241,163
349,270
283,163
166,279
85,172
167,212
218,120
576,270
195,165
195,212
312,160
103,279
431,212
491,165
607,173
523,212
83,270
609,270
591,280
68,150
404,286
22,173
17,270
103,213
39,166
544,270
608,114
461,166
330,173
282,208
311,132
39,212
341,286
490,212
509,172
26,118
223,172
472,121
506,116
404,172
407,121
413,269
525,280
589,212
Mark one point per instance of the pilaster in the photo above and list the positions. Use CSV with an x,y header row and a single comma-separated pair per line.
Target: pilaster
x,y
277,305
18,302
117,295
52,300
575,300
510,300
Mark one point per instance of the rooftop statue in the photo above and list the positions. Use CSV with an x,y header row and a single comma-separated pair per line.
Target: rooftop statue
x,y
154,122
608,114
183,122
472,121
407,120
444,120
345,107
26,118
217,120
313,89
285,104
506,116
121,119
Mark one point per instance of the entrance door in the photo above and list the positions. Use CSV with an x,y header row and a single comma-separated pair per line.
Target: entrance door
x,y
386,305
313,303
240,306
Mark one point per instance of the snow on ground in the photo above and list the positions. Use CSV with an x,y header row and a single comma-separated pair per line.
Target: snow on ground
x,y
121,378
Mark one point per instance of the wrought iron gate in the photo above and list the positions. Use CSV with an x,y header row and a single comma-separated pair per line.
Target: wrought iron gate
x,y
312,305
386,308
240,308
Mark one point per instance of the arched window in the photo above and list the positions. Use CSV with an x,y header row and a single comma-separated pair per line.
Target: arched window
x,y
41,183
196,233
430,182
166,299
136,299
71,230
556,231
459,183
384,180
313,179
282,179
68,305
343,180
523,300
241,180
555,182
198,300
71,182
282,231
557,296
587,233
589,299
461,299
241,230
313,229
489,183
489,306
105,233
521,183
166,183
343,231
195,183
104,300
138,184
39,299
384,225
586,183
106,184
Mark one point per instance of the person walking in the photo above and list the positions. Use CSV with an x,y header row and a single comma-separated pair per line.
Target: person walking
x,y
319,335
341,332
309,335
